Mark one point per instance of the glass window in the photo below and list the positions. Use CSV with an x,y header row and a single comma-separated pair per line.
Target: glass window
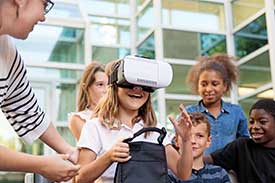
x,y
243,9
140,3
154,100
189,45
251,37
53,44
65,91
64,83
193,14
106,54
147,48
11,177
145,21
110,31
65,10
254,74
67,135
172,109
248,102
212,43
109,7
178,84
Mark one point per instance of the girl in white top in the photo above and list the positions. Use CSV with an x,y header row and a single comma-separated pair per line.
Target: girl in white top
x,y
121,113
93,85
18,102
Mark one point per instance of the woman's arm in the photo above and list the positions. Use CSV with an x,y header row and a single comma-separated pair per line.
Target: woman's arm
x,y
75,125
89,163
51,167
53,139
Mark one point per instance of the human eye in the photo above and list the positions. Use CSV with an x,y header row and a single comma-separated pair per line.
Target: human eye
x,y
215,83
199,136
100,84
263,121
203,84
251,121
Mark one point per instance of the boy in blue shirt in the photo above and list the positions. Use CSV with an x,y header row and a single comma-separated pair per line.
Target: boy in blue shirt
x,y
201,140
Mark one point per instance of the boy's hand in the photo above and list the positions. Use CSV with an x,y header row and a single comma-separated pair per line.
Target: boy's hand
x,y
183,124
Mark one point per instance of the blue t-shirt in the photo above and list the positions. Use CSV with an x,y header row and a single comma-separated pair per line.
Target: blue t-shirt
x,y
208,174
230,124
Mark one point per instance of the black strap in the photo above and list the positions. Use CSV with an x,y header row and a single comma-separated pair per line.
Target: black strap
x,y
160,139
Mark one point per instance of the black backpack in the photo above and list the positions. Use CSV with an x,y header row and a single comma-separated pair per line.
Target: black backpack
x,y
148,162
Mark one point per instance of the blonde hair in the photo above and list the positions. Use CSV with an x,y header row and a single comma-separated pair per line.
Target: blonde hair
x,y
86,80
220,63
109,67
107,109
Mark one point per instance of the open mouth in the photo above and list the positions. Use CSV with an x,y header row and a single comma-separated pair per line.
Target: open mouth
x,y
135,96
257,135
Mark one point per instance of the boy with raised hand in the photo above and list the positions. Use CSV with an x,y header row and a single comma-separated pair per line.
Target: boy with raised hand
x,y
201,140
252,159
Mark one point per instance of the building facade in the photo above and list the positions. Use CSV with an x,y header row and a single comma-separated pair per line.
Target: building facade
x,y
77,32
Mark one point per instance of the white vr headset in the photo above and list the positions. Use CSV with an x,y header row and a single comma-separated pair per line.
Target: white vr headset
x,y
138,71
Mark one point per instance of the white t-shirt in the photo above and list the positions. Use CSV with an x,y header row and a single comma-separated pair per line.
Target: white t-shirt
x,y
84,115
100,139
17,100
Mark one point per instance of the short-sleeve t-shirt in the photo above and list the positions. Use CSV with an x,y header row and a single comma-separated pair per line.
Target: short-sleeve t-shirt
x,y
253,163
100,139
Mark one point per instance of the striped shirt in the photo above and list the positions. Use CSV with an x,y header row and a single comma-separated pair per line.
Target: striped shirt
x,y
17,100
208,174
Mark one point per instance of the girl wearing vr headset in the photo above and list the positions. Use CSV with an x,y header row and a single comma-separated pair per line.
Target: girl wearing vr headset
x,y
18,102
122,112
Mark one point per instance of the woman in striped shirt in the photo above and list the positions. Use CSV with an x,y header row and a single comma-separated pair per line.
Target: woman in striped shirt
x,y
17,100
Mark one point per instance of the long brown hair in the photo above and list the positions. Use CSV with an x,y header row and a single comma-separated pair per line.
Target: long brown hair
x,y
87,79
107,110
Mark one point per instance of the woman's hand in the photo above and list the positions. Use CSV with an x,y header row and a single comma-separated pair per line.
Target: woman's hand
x,y
119,152
183,124
57,168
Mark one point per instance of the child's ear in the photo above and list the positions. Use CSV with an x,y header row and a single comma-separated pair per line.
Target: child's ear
x,y
209,140
225,87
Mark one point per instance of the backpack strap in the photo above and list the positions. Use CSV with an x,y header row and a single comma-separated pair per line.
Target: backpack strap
x,y
160,139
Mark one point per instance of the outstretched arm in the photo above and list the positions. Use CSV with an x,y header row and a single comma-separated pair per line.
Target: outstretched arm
x,y
51,167
53,139
182,167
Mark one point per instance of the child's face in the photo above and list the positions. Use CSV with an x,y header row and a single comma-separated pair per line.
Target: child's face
x,y
98,88
262,127
132,99
200,140
211,87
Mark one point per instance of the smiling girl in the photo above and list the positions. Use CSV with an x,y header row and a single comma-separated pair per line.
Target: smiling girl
x,y
122,112
211,78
